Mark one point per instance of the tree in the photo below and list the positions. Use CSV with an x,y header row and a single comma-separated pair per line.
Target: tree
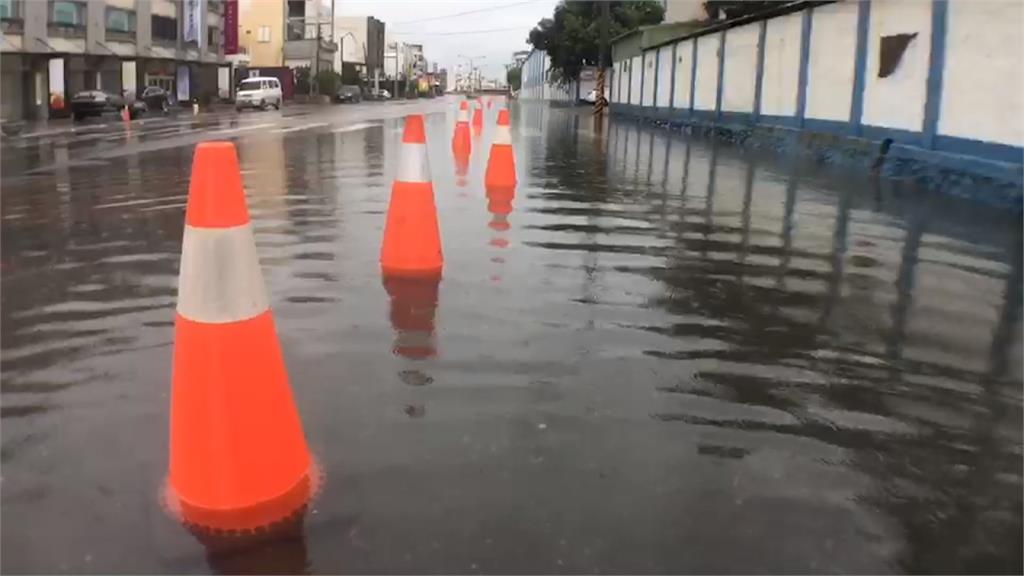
x,y
514,77
572,36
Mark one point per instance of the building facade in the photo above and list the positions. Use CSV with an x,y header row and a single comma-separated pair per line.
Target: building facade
x,y
291,33
52,49
361,42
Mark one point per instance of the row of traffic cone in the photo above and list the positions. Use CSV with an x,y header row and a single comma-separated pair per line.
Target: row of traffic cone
x,y
238,455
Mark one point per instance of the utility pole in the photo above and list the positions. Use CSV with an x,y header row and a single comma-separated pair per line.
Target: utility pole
x,y
600,103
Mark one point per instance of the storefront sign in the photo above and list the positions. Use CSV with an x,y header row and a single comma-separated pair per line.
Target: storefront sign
x,y
56,72
230,26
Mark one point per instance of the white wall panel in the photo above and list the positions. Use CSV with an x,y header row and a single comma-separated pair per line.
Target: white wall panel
x,y
831,64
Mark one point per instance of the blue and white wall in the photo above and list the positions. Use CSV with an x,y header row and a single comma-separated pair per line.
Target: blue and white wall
x,y
959,86
535,84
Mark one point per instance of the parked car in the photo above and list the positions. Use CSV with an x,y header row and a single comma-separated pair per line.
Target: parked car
x,y
156,98
259,92
349,93
97,103
590,98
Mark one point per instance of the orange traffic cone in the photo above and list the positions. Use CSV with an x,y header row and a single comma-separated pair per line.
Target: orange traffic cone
x,y
413,306
489,103
126,117
238,456
478,116
461,142
412,240
501,164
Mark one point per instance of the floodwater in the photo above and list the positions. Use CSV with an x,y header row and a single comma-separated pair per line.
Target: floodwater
x,y
662,354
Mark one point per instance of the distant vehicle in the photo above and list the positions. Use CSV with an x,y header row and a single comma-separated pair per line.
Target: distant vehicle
x,y
349,93
590,98
97,103
259,92
156,98
381,94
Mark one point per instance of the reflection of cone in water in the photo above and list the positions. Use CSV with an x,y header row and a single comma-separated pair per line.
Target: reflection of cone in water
x,y
461,142
499,204
461,169
238,456
413,305
501,164
412,240
489,103
279,549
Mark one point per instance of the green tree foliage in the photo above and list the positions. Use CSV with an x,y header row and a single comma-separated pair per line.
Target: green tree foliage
x,y
514,77
572,37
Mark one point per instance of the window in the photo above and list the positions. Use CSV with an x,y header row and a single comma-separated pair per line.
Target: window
x,y
67,13
120,23
212,37
10,16
9,10
264,34
165,28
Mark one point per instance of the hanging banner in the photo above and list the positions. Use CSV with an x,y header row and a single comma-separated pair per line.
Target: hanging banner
x,y
193,22
128,78
230,26
56,70
183,88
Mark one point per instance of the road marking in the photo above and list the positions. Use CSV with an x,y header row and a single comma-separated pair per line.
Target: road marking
x,y
167,207
137,202
297,128
354,127
241,128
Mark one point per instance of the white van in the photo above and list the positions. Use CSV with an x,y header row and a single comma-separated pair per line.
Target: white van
x,y
259,92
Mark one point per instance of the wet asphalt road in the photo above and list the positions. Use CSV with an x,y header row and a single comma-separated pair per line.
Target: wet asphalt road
x,y
662,355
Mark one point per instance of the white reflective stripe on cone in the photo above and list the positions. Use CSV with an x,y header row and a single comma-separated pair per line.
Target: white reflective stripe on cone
x,y
220,279
412,163
503,135
463,115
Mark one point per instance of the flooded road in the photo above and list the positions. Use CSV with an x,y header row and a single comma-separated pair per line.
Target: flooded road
x,y
660,354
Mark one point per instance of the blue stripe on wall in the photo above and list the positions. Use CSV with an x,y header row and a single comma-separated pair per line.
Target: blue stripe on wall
x,y
721,72
629,82
937,61
860,65
693,76
672,79
805,53
657,71
643,72
762,33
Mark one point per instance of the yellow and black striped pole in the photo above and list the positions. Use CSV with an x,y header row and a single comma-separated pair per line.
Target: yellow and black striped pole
x,y
600,103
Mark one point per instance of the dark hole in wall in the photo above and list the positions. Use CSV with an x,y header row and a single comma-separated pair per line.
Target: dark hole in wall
x,y
891,52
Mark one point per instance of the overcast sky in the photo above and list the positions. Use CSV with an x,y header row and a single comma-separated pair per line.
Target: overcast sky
x,y
503,26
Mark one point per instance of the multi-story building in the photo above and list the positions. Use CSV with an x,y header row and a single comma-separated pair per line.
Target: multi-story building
x,y
53,48
361,41
292,33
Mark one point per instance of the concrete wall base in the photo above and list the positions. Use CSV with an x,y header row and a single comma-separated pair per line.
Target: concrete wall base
x,y
988,181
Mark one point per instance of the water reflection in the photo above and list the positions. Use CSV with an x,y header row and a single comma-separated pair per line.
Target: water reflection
x,y
412,312
278,549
